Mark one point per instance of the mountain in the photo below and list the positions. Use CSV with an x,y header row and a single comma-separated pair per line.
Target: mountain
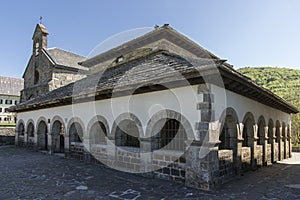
x,y
282,81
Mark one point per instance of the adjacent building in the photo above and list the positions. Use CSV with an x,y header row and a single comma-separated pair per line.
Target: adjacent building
x,y
9,95
159,104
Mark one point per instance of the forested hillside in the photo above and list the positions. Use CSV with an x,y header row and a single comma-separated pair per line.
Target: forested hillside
x,y
282,81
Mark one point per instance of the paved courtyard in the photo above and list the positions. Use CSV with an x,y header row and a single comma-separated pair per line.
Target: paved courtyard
x,y
34,175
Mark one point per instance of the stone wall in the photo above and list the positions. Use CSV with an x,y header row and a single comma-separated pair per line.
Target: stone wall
x,y
169,164
128,159
7,135
226,165
7,131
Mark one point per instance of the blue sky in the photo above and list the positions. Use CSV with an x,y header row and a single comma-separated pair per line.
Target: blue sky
x,y
252,33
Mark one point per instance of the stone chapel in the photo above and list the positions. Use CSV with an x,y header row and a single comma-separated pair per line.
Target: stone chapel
x,y
160,105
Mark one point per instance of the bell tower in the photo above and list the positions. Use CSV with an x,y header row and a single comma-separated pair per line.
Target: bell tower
x,y
39,39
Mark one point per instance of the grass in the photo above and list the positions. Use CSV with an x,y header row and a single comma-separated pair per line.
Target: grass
x,y
7,125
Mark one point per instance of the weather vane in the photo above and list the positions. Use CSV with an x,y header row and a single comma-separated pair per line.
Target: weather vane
x,y
41,19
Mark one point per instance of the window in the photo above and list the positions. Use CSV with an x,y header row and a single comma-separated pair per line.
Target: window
x,y
172,136
0,109
1,101
16,102
36,76
6,110
7,101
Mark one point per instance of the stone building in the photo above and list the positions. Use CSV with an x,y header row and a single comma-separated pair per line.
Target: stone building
x,y
49,68
9,95
163,106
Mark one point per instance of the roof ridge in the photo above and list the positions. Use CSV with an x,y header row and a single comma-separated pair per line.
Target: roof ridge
x,y
67,51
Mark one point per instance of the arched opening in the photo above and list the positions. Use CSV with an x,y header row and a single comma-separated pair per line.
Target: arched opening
x,y
277,141
228,166
270,146
171,135
21,129
98,133
58,139
248,161
76,133
21,132
30,135
260,149
30,129
127,134
42,131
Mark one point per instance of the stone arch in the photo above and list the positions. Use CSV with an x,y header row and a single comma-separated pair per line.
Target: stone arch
x,y
123,124
57,127
76,130
271,139
42,133
20,128
229,122
57,118
97,130
172,123
30,128
228,137
248,139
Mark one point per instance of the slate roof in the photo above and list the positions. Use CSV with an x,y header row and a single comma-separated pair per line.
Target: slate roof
x,y
11,86
155,69
64,58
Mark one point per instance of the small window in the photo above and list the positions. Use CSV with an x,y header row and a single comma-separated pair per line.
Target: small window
x,y
7,101
16,102
0,109
1,101
36,76
6,110
120,59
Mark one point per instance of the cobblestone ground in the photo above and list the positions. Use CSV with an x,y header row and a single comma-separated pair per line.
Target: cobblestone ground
x,y
34,175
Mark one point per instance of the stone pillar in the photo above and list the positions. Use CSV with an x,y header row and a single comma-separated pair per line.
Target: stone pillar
x,y
146,157
16,137
86,148
254,153
289,142
67,144
265,149
111,151
50,143
273,145
35,140
25,139
238,160
279,139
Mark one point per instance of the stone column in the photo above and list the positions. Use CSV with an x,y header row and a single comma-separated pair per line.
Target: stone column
x,y
111,151
279,139
265,149
86,148
240,139
35,140
146,157
50,143
273,145
67,144
16,137
25,139
255,140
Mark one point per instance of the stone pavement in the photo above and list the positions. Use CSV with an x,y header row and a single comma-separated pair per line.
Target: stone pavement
x,y
34,175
